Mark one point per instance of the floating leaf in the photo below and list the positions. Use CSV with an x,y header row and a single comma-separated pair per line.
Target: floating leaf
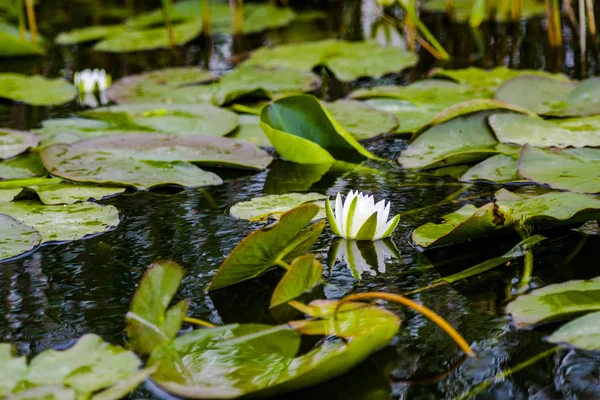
x,y
36,90
459,140
583,332
14,46
13,143
153,86
466,223
251,131
15,238
269,246
176,119
9,194
304,274
555,302
302,131
25,166
500,168
78,372
360,120
262,360
549,97
150,322
64,222
134,40
571,169
488,80
521,129
272,206
67,193
88,34
347,60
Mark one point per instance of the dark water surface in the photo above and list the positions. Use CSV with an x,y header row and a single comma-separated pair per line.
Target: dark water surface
x,y
60,292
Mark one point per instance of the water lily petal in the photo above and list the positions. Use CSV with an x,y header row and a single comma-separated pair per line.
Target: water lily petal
x,y
332,218
389,228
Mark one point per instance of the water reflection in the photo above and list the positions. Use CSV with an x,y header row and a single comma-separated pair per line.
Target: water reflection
x,y
363,256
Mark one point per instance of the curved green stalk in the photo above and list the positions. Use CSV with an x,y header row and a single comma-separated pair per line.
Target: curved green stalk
x,y
423,29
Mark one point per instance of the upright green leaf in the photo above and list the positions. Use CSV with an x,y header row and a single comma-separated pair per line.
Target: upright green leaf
x,y
150,322
304,274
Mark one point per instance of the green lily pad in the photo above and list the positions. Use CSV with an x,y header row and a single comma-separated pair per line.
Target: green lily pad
x,y
303,131
267,247
583,332
156,38
69,129
549,97
36,90
272,206
16,238
500,168
150,87
177,119
149,322
459,140
466,223
64,222
522,129
262,360
555,302
13,46
9,194
67,193
347,60
488,80
251,131
181,11
360,120
571,169
304,274
25,166
13,143
90,369
411,118
88,34
462,9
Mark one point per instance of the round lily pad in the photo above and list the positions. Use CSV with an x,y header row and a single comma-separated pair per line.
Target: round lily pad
x,y
150,87
360,120
16,238
175,119
13,143
36,90
272,206
25,166
64,222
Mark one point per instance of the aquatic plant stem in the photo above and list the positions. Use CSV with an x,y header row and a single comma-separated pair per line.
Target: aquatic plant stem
x,y
22,27
554,26
591,17
283,265
517,9
199,322
528,262
166,6
237,16
396,298
582,35
31,19
205,17
419,39
443,54
508,372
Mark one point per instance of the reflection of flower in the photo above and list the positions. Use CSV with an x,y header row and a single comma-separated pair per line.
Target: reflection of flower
x,y
89,81
360,218
363,256
90,100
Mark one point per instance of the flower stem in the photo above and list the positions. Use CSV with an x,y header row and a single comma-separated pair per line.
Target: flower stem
x,y
283,264
198,322
439,321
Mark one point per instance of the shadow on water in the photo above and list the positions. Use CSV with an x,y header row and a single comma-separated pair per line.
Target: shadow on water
x,y
63,291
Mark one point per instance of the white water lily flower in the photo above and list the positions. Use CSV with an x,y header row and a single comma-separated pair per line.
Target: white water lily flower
x,y
360,218
361,257
89,81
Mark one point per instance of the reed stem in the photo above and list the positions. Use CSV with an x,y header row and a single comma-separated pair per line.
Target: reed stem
x,y
166,6
591,17
22,27
206,17
237,15
31,20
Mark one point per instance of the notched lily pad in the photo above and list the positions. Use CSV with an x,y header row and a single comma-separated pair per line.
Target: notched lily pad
x,y
555,302
64,222
303,131
36,90
13,143
16,238
272,206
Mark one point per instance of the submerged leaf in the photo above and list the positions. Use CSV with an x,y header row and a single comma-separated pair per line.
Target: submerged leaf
x,y
262,361
267,247
555,302
15,238
303,131
149,322
571,169
64,222
272,206
35,90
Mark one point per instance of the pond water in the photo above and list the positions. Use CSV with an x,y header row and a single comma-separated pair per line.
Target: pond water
x,y
59,292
